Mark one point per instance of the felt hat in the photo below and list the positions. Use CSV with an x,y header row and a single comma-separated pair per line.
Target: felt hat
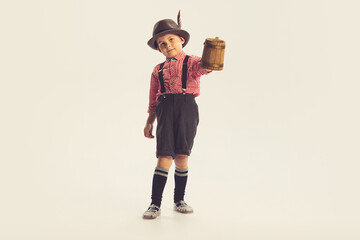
x,y
168,26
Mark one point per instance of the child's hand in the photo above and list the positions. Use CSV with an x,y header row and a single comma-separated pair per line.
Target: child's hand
x,y
149,125
148,130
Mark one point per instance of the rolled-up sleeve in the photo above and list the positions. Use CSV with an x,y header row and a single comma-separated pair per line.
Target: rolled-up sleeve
x,y
196,67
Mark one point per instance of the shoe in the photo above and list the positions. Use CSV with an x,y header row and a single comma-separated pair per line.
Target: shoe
x,y
182,207
152,212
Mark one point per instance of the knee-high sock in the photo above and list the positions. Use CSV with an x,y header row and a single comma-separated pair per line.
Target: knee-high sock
x,y
180,176
158,185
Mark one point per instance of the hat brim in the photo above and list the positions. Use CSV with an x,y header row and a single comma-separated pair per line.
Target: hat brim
x,y
182,33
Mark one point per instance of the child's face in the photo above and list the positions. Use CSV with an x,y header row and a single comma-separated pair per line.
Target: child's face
x,y
170,45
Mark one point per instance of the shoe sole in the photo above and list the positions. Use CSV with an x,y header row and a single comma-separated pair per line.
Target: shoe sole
x,y
150,218
175,209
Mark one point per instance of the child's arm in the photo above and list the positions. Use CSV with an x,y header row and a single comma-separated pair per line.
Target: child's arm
x,y
197,68
154,86
149,125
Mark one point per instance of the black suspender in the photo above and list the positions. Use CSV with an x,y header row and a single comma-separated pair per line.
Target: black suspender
x,y
183,76
161,78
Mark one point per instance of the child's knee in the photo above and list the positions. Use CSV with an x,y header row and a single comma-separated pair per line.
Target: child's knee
x,y
165,162
181,161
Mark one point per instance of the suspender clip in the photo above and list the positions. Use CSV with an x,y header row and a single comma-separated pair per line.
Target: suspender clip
x,y
184,91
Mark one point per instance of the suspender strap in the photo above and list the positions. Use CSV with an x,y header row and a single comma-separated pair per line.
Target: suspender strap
x,y
161,78
184,74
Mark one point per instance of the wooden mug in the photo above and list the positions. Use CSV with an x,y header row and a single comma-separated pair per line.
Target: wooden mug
x,y
213,54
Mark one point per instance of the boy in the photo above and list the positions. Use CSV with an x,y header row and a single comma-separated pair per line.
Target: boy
x,y
174,86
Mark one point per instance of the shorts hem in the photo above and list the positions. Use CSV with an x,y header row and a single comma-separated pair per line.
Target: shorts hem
x,y
183,152
171,154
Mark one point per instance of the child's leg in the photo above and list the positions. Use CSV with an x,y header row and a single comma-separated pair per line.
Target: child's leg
x,y
165,162
181,175
160,178
181,161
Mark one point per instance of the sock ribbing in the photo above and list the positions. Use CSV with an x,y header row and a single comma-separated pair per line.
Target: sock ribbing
x,y
181,172
161,171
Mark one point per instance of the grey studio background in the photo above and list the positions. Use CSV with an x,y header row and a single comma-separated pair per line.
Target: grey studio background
x,y
276,155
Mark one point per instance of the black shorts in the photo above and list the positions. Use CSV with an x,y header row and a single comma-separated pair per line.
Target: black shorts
x,y
177,121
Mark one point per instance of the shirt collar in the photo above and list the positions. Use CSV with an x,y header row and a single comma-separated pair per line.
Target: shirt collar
x,y
177,57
